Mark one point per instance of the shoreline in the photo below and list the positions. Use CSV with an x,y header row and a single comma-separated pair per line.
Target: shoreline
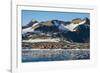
x,y
38,55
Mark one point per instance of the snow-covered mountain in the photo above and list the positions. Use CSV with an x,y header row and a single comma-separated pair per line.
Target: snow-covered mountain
x,y
77,30
73,25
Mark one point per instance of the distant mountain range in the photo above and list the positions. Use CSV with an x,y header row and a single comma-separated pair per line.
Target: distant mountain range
x,y
77,30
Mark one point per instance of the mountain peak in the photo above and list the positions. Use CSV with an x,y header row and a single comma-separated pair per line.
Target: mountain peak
x,y
76,21
33,20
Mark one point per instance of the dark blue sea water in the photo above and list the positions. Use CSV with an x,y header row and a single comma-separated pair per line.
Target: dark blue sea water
x,y
38,55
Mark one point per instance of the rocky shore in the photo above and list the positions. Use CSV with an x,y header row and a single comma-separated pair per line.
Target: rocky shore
x,y
55,45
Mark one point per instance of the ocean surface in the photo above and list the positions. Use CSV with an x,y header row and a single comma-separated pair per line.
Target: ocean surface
x,y
38,55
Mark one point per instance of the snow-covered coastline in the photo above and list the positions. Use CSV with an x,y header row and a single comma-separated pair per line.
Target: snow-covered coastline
x,y
41,40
